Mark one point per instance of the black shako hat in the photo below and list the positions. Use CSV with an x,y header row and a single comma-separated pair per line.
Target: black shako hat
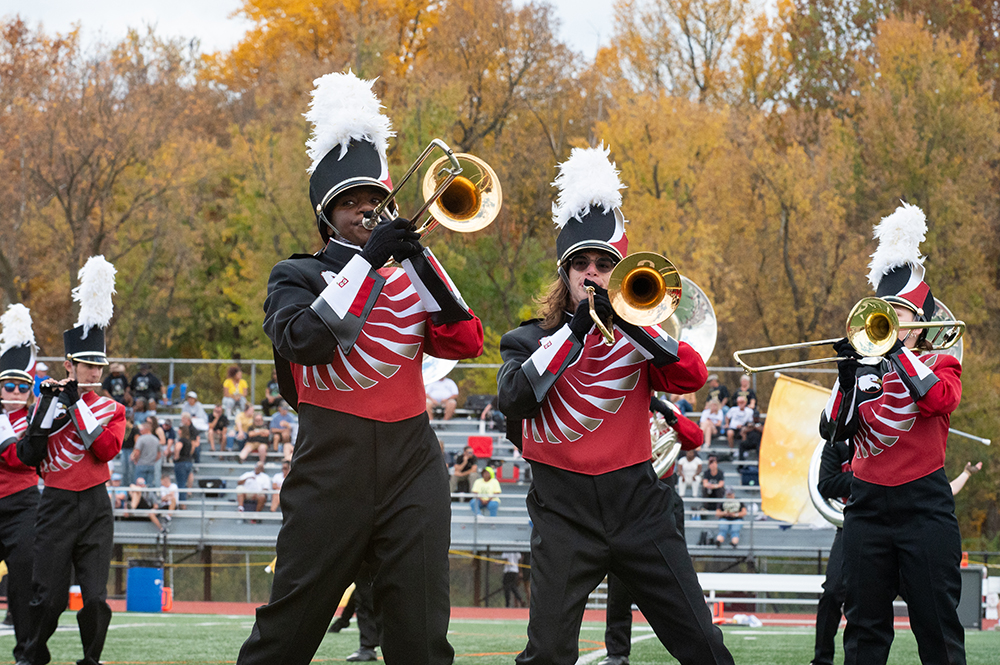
x,y
588,206
17,344
897,268
348,143
84,343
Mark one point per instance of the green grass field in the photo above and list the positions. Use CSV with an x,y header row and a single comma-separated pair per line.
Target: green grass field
x,y
177,639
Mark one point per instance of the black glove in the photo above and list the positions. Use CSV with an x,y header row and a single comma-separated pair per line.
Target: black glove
x,y
847,368
70,394
48,389
581,322
844,349
389,239
669,415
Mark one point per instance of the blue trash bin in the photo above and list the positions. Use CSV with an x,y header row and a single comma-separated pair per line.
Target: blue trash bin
x,y
144,590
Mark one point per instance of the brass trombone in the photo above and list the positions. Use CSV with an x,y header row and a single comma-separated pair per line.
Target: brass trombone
x,y
461,192
644,289
872,329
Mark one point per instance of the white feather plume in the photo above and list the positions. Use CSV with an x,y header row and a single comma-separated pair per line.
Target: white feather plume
x,y
97,285
588,178
343,108
16,323
899,236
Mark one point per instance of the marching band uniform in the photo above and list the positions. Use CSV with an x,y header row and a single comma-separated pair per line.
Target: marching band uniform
x,y
367,482
579,411
618,633
835,479
900,523
71,438
18,482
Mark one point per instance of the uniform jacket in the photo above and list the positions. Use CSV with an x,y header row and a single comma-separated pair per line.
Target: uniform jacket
x,y
351,338
584,407
14,476
896,412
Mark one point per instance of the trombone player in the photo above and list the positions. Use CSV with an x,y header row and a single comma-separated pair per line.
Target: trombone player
x,y
367,483
579,411
900,524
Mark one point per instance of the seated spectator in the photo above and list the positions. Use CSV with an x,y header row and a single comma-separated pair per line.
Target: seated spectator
x,y
682,403
117,493
746,391
730,515
491,413
139,409
115,385
272,395
234,391
218,425
443,393
169,496
138,499
718,392
251,489
281,425
196,410
276,482
147,385
257,439
463,470
145,454
713,483
712,420
486,488
751,442
689,473
739,421
243,424
188,441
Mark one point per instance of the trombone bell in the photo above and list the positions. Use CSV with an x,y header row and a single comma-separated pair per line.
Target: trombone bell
x,y
471,202
644,288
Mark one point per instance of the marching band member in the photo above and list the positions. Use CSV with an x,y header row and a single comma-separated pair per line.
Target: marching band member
x,y
18,483
579,411
618,633
900,524
367,482
835,479
73,434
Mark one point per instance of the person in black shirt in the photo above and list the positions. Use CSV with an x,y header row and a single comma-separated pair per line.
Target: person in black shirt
x,y
746,391
145,384
717,391
465,467
187,441
217,426
125,463
713,483
272,395
116,384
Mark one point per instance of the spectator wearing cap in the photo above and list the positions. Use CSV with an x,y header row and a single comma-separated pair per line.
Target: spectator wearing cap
x,y
717,391
41,373
117,493
115,385
196,410
282,426
487,489
730,514
147,385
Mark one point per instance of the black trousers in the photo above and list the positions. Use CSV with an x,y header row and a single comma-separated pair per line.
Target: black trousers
x,y
906,533
622,523
17,541
74,532
618,632
828,612
510,591
360,490
364,606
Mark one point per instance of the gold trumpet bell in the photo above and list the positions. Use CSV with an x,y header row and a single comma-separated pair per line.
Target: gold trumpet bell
x,y
473,199
645,288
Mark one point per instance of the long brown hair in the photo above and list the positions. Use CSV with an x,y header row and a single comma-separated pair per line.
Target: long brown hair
x,y
553,305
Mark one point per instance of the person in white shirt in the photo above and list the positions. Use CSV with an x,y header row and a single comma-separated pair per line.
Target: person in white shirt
x,y
712,421
276,482
689,468
169,494
196,409
251,488
442,392
740,417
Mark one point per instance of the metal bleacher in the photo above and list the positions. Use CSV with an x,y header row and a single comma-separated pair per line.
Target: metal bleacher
x,y
210,516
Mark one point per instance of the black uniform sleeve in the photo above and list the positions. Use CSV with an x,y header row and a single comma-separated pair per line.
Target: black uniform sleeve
x,y
303,326
833,482
437,292
839,420
523,381
659,349
31,447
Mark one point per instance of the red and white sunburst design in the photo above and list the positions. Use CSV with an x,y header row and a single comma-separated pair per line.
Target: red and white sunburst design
x,y
393,334
65,445
591,389
883,420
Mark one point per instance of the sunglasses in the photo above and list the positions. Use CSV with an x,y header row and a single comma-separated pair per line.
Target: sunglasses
x,y
17,387
604,264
